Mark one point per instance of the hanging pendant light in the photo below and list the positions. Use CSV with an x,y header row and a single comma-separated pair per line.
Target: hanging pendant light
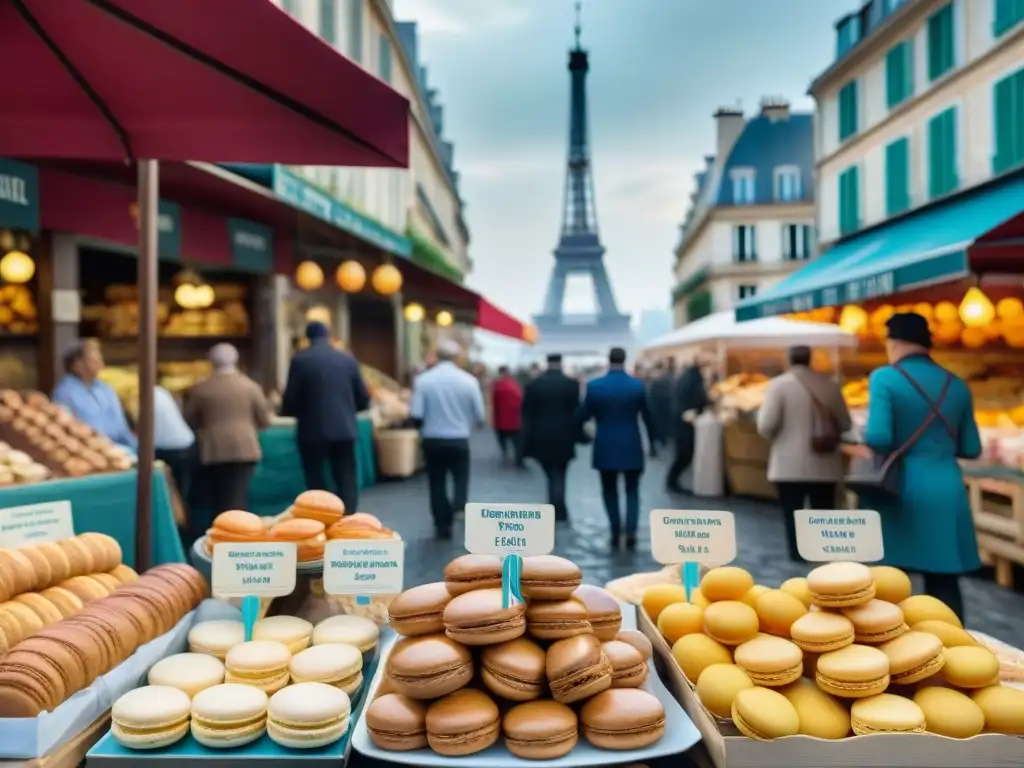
x,y
17,267
414,313
350,277
386,280
444,318
976,310
309,276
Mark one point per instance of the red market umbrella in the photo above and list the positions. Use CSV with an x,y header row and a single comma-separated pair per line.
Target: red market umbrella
x,y
203,80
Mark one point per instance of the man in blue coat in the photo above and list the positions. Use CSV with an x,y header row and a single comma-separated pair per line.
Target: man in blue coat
x,y
617,402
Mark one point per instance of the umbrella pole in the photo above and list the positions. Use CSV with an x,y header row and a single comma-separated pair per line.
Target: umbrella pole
x,y
149,193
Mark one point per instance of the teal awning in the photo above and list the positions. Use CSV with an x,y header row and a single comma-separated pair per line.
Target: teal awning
x,y
920,250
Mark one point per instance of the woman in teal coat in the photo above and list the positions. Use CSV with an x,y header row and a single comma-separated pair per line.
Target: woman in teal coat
x,y
926,528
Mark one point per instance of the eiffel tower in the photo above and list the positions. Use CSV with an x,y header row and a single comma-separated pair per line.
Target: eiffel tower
x,y
579,250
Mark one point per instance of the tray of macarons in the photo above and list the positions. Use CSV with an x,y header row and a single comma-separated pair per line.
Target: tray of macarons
x,y
290,691
562,679
846,667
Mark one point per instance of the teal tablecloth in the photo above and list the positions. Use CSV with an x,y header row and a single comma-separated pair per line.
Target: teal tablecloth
x,y
106,504
278,478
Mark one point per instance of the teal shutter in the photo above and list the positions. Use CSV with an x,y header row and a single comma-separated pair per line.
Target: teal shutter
x,y
385,59
897,177
805,235
848,110
943,177
899,73
356,30
849,201
1005,119
329,21
1008,14
941,42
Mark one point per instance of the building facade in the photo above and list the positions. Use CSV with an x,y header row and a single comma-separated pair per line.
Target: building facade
x,y
751,214
924,100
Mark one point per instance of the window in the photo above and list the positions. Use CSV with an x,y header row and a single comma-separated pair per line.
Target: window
x,y
1008,115
897,177
744,243
941,42
849,200
796,242
743,186
848,110
942,154
355,30
848,35
899,73
746,291
787,184
1008,14
290,7
384,53
329,21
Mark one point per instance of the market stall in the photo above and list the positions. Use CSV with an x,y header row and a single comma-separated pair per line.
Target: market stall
x,y
19,314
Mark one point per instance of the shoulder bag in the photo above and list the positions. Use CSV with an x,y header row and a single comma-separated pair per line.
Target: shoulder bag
x,y
881,474
825,435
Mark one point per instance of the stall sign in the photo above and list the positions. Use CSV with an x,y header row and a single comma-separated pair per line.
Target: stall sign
x,y
261,570
503,529
35,524
361,567
252,246
839,534
168,229
19,196
692,536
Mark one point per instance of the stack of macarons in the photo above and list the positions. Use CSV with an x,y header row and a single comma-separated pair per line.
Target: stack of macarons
x,y
43,670
236,526
562,647
848,649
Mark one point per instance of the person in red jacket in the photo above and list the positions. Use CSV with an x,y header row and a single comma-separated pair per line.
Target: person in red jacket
x,y
507,416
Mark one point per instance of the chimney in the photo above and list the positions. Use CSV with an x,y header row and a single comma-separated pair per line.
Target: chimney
x,y
709,160
775,108
729,124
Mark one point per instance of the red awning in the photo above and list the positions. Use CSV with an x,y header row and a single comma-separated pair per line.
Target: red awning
x,y
221,80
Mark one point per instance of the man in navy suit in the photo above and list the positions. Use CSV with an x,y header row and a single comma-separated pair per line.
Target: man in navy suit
x,y
324,393
617,402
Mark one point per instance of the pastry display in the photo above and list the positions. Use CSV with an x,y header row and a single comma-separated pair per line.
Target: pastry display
x,y
18,313
225,316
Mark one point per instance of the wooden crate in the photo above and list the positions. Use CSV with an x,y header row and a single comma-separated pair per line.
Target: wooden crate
x,y
997,506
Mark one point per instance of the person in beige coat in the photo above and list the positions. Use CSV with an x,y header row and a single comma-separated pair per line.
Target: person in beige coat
x,y
786,418
226,412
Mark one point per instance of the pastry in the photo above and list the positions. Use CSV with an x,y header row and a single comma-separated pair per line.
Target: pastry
x,y
60,566
638,640
150,717
236,526
821,632
577,669
876,621
259,663
770,661
39,574
886,713
105,550
64,601
549,577
730,622
727,583
623,718
462,723
891,584
821,715
351,630
660,596
21,570
556,619
914,656
777,610
718,685
322,506
750,598
478,618
920,608
216,638
603,610
188,672
969,666
292,631
309,536
840,585
469,572
949,713
124,574
764,714
419,610
41,607
85,588
629,668
429,666
308,715
540,730
854,672
227,716
338,665
693,653
514,670
950,635
1003,707
397,723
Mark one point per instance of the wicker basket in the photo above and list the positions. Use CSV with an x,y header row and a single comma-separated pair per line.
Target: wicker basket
x,y
398,452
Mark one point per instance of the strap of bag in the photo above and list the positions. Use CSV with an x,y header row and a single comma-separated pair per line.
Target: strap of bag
x,y
823,410
936,405
919,432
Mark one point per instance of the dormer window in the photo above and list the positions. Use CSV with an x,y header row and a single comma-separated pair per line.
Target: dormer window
x,y
742,186
787,184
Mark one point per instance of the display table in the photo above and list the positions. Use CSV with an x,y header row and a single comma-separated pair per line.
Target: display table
x,y
106,504
278,478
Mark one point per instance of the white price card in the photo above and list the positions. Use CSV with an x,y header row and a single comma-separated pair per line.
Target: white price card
x,y
693,536
855,535
266,569
510,529
35,523
364,567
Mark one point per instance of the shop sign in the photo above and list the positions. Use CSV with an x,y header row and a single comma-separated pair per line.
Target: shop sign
x,y
502,529
35,524
306,197
839,534
168,229
361,567
692,536
261,570
252,246
19,196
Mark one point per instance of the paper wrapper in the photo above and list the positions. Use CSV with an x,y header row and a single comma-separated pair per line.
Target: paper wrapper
x,y
1011,660
630,589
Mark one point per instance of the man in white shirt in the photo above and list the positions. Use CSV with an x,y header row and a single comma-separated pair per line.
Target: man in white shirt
x,y
174,440
447,405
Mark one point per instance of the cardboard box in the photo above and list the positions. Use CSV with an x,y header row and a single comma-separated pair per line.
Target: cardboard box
x,y
727,748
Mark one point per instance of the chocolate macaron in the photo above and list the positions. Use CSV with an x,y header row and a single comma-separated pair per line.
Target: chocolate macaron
x,y
462,723
419,610
397,723
549,577
623,718
469,572
429,666
557,619
603,610
479,618
629,667
577,668
514,670
540,730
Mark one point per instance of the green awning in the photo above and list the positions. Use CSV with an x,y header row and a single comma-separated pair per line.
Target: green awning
x,y
429,256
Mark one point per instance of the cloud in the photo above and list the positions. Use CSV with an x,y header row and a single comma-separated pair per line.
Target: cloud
x,y
463,17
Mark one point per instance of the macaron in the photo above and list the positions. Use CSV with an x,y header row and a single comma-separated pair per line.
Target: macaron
x,y
658,597
85,588
840,585
397,723
540,730
918,608
308,715
41,607
821,632
462,723
770,661
949,713
262,664
79,556
1003,707
60,567
886,713
66,602
730,622
36,568
820,715
764,714
419,610
750,598
629,667
603,610
854,672
480,618
289,630
797,587
350,630
556,619
335,664
726,583
237,525
514,670
469,572
124,574
150,717
914,656
188,672
27,620
680,619
891,584
309,536
105,550
638,640
718,685
215,638
777,610
429,666
229,715
322,506
950,635
577,668
970,666
694,653
623,719
21,570
876,621
25,692
549,577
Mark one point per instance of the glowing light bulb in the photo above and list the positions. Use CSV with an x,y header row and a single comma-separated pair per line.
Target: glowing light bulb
x,y
976,310
414,313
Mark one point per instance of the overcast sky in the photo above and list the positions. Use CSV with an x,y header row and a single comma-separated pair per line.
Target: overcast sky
x,y
659,68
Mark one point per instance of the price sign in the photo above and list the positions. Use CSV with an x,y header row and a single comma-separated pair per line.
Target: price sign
x,y
839,534
504,529
260,570
361,567
35,524
693,536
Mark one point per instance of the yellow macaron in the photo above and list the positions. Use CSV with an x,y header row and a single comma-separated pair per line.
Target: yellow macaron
x,y
753,593
660,596
770,661
764,714
821,715
968,666
913,656
262,664
840,585
886,713
797,587
1003,707
950,634
726,583
918,608
718,685
680,619
950,713
891,584
694,653
730,622
876,621
821,632
854,672
777,610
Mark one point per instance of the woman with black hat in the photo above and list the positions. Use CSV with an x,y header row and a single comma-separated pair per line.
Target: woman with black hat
x,y
925,414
